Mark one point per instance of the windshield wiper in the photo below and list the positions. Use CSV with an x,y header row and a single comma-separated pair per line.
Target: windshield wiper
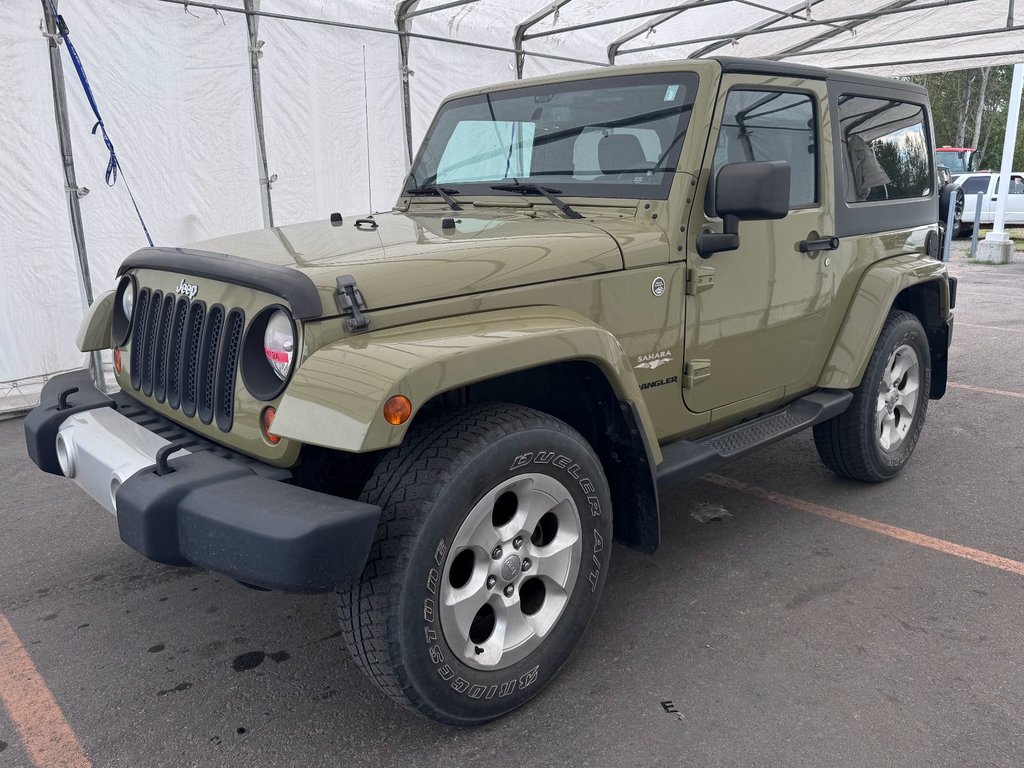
x,y
537,189
442,192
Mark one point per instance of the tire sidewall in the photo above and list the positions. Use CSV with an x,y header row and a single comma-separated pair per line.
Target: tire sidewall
x,y
889,463
461,693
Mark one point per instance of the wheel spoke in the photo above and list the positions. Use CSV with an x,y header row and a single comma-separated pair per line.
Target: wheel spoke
x,y
888,426
516,628
466,602
481,534
893,430
908,401
900,366
554,563
880,403
536,505
887,378
906,416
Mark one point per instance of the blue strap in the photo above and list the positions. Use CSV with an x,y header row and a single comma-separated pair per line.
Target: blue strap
x,y
113,165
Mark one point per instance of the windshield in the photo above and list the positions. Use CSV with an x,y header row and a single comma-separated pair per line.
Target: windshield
x,y
606,137
956,161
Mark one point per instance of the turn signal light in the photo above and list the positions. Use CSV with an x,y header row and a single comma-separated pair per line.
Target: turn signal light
x,y
266,422
117,359
397,410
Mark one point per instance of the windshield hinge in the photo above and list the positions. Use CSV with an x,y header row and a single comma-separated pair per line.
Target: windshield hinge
x,y
699,279
350,302
694,372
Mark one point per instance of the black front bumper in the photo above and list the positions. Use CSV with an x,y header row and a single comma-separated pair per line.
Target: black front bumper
x,y
214,508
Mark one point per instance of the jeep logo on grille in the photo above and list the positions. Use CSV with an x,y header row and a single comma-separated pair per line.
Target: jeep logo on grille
x,y
187,289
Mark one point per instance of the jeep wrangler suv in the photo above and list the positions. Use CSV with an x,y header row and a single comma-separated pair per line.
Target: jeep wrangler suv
x,y
592,287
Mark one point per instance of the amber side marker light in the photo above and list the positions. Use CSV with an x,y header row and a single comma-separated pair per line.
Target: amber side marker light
x,y
266,422
397,410
117,359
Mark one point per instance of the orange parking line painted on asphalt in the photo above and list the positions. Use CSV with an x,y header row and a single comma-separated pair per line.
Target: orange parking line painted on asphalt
x,y
986,390
911,537
989,327
45,734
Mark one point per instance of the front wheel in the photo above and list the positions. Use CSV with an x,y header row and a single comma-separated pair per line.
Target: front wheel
x,y
490,557
875,437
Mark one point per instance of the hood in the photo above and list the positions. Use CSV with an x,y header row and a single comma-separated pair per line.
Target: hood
x,y
410,258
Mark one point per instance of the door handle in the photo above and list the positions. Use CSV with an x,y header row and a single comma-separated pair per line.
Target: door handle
x,y
822,244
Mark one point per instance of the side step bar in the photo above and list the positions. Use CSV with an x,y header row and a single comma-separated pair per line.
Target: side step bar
x,y
685,460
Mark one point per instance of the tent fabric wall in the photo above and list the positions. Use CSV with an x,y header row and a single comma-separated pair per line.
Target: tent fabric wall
x,y
174,87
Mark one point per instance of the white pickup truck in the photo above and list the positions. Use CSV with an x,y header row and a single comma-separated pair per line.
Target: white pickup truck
x,y
986,184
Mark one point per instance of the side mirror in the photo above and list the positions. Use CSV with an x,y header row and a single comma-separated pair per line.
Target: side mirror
x,y
755,191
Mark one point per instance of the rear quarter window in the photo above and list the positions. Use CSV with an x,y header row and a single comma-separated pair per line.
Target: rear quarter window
x,y
886,150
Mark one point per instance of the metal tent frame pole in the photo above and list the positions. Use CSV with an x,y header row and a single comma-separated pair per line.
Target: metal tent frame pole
x,y
72,191
252,21
906,41
1001,246
402,15
519,34
835,32
1011,53
867,16
650,26
806,5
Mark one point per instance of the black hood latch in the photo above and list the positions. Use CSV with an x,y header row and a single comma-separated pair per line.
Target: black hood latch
x,y
351,302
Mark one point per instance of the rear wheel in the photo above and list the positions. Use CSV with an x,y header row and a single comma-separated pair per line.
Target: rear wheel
x,y
490,556
875,437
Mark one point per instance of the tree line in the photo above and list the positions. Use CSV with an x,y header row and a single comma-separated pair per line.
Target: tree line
x,y
969,110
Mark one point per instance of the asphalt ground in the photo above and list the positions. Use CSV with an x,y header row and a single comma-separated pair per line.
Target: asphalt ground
x,y
814,624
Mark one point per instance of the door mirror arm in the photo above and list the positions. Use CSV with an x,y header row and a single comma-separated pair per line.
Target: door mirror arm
x,y
710,243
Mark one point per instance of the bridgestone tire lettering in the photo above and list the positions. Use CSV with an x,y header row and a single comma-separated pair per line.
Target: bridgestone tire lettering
x,y
426,487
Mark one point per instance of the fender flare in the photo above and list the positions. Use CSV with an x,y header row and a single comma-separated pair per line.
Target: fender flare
x,y
336,396
876,293
94,332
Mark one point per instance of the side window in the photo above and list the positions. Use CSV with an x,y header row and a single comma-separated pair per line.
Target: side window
x,y
772,125
975,184
886,152
1016,185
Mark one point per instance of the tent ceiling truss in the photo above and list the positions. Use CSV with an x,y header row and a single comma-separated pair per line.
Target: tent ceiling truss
x,y
793,17
799,12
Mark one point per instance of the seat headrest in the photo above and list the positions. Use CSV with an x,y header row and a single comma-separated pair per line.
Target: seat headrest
x,y
621,153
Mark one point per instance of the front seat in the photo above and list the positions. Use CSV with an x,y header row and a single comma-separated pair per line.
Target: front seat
x,y
622,153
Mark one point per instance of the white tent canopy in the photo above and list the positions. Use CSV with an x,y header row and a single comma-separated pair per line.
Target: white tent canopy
x,y
174,82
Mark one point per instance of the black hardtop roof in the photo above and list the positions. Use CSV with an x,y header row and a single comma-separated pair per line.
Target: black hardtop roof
x,y
767,67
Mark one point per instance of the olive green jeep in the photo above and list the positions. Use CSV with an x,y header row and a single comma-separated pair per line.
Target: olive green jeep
x,y
592,287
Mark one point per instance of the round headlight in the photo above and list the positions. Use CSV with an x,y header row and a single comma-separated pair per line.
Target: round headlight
x,y
128,299
279,343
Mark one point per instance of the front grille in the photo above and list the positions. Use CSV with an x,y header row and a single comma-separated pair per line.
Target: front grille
x,y
186,355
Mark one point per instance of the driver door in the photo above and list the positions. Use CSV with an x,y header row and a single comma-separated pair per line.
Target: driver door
x,y
753,333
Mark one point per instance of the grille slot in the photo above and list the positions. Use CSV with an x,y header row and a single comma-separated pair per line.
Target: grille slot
x,y
187,355
190,357
225,390
174,354
139,331
163,336
149,346
208,362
